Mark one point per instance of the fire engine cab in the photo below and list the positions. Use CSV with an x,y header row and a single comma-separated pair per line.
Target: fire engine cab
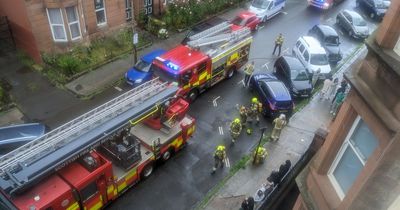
x,y
207,58
323,4
89,161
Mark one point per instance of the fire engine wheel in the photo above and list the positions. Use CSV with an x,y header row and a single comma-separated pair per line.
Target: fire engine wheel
x,y
147,171
193,95
230,73
167,155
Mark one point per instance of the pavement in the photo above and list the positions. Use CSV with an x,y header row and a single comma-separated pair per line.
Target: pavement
x,y
293,143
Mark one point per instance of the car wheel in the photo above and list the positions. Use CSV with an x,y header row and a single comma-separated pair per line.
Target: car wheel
x,y
167,155
147,171
372,15
193,95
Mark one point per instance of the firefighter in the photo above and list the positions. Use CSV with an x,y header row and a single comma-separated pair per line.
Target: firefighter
x,y
260,154
219,158
278,44
248,72
243,114
278,123
255,110
235,129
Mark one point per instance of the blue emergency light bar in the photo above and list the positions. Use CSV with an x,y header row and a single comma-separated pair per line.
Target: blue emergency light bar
x,y
171,65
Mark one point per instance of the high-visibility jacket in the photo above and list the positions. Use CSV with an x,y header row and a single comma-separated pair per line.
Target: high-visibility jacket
x,y
279,123
236,127
249,69
220,152
279,40
256,107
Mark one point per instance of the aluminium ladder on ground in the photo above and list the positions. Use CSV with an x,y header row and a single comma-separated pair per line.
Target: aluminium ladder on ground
x,y
226,37
80,134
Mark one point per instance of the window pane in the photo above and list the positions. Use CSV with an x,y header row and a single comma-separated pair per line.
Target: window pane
x,y
101,17
363,140
55,16
74,28
59,32
98,4
347,169
71,14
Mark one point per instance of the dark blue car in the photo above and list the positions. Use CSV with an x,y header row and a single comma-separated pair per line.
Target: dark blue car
x,y
273,94
141,73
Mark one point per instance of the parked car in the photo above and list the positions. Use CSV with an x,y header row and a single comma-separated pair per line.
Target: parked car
x,y
273,95
374,8
245,19
266,9
292,73
141,72
204,25
312,55
353,24
329,40
14,136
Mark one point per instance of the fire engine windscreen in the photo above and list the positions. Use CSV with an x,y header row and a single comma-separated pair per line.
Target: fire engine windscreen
x,y
163,74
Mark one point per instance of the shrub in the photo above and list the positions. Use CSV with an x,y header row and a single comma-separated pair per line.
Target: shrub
x,y
68,64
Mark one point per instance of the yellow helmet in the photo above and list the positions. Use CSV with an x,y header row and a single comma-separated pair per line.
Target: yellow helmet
x,y
221,148
254,100
237,120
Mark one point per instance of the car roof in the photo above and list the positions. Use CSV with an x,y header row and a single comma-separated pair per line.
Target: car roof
x,y
293,62
149,57
353,14
278,90
327,30
246,14
314,46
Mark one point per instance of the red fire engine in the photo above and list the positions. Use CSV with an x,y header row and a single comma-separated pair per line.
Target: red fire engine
x,y
90,161
207,58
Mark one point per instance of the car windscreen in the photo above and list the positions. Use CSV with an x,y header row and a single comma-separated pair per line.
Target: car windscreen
x,y
332,40
163,74
142,66
319,59
238,21
262,4
297,75
358,21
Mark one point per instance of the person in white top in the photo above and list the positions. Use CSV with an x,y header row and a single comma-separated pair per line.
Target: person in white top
x,y
326,88
332,89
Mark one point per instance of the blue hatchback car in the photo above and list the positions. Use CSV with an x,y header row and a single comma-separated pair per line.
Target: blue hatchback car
x,y
273,94
141,73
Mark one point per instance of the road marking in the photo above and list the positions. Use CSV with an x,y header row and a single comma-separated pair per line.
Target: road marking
x,y
301,139
341,32
118,88
260,27
227,163
221,130
241,82
266,65
329,19
285,13
285,50
215,101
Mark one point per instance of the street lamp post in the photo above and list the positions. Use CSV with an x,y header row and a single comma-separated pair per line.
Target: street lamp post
x,y
259,143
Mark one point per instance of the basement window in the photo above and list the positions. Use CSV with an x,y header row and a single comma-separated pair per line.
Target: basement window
x,y
56,22
358,146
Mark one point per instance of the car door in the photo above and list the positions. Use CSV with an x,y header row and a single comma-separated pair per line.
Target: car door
x,y
286,75
306,57
348,21
251,23
301,56
262,91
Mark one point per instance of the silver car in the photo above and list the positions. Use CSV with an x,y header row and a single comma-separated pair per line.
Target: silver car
x,y
353,23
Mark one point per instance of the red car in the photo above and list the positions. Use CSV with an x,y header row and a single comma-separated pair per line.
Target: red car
x,y
244,19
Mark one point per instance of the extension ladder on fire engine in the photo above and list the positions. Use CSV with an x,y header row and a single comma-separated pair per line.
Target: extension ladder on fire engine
x,y
211,31
134,102
230,37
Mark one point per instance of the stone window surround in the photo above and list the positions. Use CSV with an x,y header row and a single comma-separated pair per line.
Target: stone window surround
x,y
326,155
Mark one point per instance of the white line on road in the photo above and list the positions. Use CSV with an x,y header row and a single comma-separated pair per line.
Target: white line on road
x,y
118,88
285,13
215,101
266,65
241,82
221,130
260,27
285,50
341,32
227,163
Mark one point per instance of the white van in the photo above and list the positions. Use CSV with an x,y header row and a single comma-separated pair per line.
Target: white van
x,y
266,9
312,55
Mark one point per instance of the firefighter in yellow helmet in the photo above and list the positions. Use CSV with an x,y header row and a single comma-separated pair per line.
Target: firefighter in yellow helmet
x,y
243,111
235,129
278,123
219,158
259,155
255,110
